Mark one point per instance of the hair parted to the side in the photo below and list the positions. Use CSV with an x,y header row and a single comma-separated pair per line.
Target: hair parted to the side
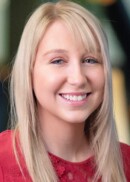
x,y
101,132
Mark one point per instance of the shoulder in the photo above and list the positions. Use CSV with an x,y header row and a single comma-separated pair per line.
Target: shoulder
x,y
125,150
5,151
9,168
6,136
5,142
124,146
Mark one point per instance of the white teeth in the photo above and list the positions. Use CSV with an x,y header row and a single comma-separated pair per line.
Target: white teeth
x,y
75,97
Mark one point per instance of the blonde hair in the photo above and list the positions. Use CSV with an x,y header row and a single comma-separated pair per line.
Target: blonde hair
x,y
100,126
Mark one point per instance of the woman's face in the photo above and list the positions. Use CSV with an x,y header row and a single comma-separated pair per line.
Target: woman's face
x,y
68,81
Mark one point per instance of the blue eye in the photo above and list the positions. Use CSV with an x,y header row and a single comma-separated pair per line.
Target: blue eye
x,y
57,61
90,60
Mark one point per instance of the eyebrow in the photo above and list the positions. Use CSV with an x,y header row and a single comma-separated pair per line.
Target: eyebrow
x,y
55,51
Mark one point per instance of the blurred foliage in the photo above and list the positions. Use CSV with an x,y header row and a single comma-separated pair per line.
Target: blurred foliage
x,y
101,2
83,2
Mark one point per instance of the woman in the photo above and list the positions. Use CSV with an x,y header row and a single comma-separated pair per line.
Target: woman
x,y
61,102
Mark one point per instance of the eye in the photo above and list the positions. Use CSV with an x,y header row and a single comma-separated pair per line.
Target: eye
x,y
90,60
57,61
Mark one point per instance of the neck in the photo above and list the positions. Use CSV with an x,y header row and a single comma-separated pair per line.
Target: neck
x,y
66,140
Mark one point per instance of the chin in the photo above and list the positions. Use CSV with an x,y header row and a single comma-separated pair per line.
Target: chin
x,y
76,120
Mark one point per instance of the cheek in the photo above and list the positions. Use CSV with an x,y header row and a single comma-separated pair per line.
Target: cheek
x,y
98,79
101,79
46,81
100,83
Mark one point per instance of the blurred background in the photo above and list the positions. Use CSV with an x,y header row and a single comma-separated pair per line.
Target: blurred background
x,y
115,18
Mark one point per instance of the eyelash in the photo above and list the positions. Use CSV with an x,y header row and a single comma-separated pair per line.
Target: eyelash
x,y
57,61
90,60
86,60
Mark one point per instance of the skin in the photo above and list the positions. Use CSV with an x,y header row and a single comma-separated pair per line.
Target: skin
x,y
63,67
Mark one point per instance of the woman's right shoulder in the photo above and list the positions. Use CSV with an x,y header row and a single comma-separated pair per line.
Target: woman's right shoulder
x,y
6,144
9,168
6,151
5,140
5,134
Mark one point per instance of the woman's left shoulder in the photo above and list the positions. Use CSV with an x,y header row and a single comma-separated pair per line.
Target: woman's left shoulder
x,y
125,150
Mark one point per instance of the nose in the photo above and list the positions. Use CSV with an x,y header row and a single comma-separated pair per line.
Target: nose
x,y
77,76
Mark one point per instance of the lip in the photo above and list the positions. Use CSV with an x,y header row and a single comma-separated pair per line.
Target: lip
x,y
75,102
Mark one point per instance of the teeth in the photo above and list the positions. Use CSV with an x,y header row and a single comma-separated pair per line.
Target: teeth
x,y
75,97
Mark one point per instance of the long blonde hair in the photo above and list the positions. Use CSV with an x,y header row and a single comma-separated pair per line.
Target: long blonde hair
x,y
101,128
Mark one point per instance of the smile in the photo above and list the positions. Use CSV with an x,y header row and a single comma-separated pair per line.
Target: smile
x,y
76,98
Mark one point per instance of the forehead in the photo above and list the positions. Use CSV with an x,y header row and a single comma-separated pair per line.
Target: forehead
x,y
62,30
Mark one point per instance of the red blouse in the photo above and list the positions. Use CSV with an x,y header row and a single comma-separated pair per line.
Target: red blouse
x,y
66,171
